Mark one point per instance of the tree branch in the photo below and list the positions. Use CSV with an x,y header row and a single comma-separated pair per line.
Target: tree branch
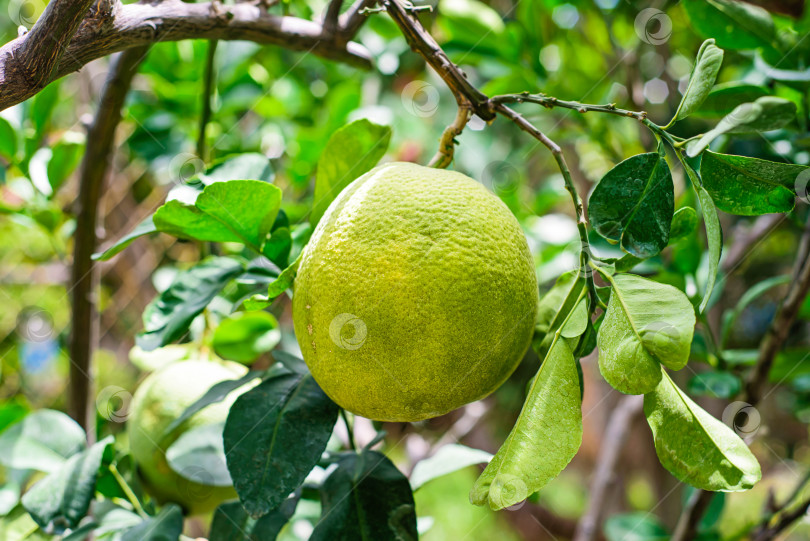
x,y
603,479
133,25
447,144
330,20
94,167
351,21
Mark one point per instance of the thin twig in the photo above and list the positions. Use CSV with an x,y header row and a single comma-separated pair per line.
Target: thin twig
x,y
330,20
447,144
94,167
351,21
207,96
618,428
784,521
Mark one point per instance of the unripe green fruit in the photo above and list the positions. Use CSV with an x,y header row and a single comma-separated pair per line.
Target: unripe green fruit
x,y
415,295
160,399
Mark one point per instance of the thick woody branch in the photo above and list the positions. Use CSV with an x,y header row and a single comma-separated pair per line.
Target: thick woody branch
x,y
123,27
41,49
94,168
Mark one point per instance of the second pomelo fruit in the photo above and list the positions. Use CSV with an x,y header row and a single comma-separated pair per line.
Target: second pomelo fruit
x,y
415,295
160,399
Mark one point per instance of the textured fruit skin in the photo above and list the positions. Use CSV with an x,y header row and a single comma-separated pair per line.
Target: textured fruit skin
x,y
162,397
415,295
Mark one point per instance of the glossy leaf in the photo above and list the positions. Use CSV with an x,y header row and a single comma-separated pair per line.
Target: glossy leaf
x,y
725,97
274,436
166,526
448,459
246,335
146,227
232,523
352,150
750,186
41,441
246,165
168,316
735,25
694,446
235,211
366,498
633,204
545,438
763,114
646,323
62,499
701,80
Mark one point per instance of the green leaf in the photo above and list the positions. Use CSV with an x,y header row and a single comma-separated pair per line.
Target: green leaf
x,y
646,323
215,394
8,140
42,106
247,165
704,73
366,498
41,441
166,526
735,25
62,499
65,157
694,446
232,523
684,223
274,436
633,204
764,114
246,335
448,459
641,526
146,227
168,316
725,97
714,384
235,211
352,150
749,186
545,438
19,526
714,236
200,451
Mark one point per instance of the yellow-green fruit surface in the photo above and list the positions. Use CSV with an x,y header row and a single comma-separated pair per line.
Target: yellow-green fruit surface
x,y
415,295
160,399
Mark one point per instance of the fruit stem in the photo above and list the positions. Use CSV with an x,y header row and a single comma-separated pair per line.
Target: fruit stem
x,y
133,499
349,429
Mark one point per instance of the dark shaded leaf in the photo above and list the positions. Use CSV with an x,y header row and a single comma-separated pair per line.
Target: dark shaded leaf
x,y
166,526
725,97
232,523
735,25
168,316
641,526
684,223
366,498
633,204
275,434
714,384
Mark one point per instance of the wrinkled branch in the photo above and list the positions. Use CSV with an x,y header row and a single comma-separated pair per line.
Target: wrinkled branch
x,y
94,168
123,27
